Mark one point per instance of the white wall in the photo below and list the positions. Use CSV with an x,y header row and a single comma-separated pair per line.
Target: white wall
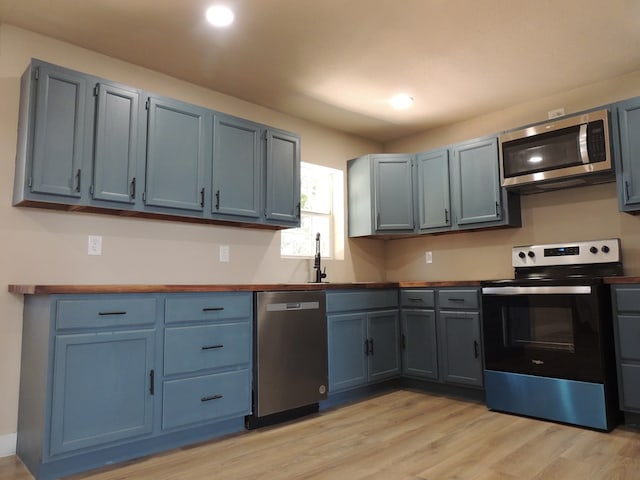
x,y
49,247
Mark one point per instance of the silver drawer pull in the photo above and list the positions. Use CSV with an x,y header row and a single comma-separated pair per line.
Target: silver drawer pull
x,y
211,347
102,314
213,397
212,309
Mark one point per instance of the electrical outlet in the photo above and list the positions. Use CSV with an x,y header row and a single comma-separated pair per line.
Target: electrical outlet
x,y
224,253
558,112
94,245
428,257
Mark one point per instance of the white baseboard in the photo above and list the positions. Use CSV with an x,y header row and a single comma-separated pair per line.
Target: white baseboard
x,y
8,444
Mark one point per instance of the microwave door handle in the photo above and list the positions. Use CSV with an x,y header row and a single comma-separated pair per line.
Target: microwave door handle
x,y
582,144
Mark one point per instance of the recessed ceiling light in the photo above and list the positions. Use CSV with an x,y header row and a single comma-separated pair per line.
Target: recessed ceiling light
x,y
220,16
402,101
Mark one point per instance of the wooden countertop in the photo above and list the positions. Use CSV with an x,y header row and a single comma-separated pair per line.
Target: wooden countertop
x,y
614,280
136,288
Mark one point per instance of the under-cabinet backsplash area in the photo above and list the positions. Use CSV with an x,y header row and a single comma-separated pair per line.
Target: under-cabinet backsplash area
x,y
582,213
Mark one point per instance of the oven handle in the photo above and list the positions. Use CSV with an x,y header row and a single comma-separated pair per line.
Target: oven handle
x,y
559,289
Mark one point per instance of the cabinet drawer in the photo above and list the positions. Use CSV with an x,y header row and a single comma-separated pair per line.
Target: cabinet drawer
x,y
105,311
189,349
458,299
628,299
199,399
629,331
358,300
417,298
207,307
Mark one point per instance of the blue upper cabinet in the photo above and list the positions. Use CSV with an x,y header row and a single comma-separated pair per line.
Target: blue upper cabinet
x,y
380,194
54,133
178,154
117,144
476,182
237,172
282,178
434,203
627,154
392,176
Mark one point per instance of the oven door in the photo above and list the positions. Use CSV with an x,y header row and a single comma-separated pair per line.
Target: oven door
x,y
551,331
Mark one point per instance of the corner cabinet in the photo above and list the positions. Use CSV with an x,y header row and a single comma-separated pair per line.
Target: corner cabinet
x,y
626,146
111,377
441,339
380,194
363,337
90,144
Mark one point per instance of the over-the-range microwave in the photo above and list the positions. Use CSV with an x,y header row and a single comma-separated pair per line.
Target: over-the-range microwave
x,y
562,153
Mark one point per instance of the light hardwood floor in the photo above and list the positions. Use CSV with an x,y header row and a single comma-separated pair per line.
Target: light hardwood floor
x,y
402,435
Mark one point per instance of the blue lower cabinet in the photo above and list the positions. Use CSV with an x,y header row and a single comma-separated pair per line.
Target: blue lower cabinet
x,y
111,377
101,388
364,338
419,342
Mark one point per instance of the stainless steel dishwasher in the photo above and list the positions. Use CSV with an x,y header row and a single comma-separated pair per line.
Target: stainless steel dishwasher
x,y
290,355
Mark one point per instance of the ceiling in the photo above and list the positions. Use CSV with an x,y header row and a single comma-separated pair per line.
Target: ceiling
x,y
337,62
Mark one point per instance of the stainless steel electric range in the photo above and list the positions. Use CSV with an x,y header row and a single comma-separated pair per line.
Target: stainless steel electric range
x,y
548,335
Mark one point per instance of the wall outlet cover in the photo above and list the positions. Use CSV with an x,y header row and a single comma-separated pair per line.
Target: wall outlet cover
x,y
224,253
94,245
428,257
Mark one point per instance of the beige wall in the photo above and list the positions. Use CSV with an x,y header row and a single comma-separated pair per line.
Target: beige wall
x,y
576,214
43,247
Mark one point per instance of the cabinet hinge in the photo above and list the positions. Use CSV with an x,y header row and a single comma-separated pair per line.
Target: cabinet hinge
x,y
147,104
36,73
95,91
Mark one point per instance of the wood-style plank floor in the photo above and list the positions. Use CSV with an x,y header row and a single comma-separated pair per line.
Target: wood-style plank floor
x,y
402,435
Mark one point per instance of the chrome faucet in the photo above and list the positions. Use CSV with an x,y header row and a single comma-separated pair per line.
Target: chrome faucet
x,y
320,274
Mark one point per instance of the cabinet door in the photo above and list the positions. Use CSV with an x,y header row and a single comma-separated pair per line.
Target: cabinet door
x,y
460,354
102,388
59,132
419,345
433,189
347,360
236,167
630,387
629,124
283,178
393,192
116,143
384,351
176,155
476,182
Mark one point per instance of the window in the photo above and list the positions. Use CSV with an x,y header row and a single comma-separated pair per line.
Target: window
x,y
321,211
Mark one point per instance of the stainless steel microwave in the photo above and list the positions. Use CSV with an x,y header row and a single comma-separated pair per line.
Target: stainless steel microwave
x,y
566,152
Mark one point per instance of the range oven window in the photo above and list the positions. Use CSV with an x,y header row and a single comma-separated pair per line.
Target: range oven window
x,y
551,335
543,327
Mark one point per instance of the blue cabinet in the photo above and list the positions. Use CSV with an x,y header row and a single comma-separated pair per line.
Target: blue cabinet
x,y
282,194
237,167
434,201
626,326
476,182
363,331
627,153
118,144
380,194
53,132
102,388
419,337
110,377
177,159
459,338
86,143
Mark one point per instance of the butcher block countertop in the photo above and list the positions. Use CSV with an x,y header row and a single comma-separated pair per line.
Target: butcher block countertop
x,y
117,288
614,280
